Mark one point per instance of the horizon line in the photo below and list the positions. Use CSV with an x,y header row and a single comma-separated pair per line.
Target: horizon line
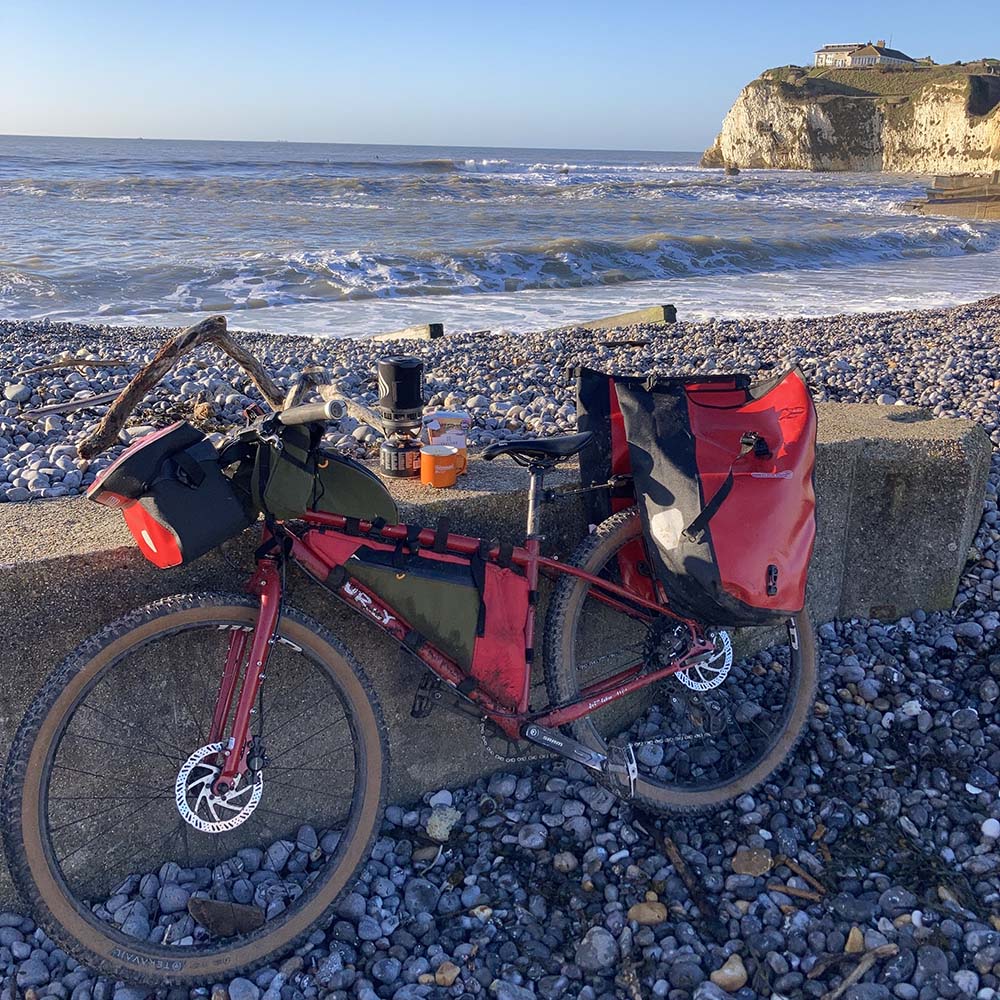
x,y
345,142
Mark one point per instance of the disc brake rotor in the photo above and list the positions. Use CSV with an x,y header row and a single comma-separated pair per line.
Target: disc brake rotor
x,y
201,807
709,672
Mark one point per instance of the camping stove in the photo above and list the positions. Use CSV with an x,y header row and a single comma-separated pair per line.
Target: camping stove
x,y
401,406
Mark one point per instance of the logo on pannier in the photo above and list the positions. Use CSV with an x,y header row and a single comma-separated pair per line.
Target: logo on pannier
x,y
787,474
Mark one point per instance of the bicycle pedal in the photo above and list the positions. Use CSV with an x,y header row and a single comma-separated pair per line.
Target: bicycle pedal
x,y
429,693
621,770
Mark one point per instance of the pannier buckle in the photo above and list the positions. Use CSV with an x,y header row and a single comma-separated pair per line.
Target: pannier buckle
x,y
772,580
751,439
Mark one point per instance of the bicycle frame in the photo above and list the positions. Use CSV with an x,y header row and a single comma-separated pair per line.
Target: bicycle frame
x,y
266,583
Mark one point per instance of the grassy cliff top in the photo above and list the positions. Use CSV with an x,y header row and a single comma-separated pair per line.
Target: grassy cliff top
x,y
878,81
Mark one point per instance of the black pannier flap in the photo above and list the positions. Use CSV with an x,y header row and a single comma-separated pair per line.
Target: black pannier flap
x,y
722,473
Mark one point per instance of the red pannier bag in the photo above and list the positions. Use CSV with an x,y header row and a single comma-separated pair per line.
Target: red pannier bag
x,y
473,611
723,477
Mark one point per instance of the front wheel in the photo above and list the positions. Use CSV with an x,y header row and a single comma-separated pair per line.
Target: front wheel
x,y
702,737
111,826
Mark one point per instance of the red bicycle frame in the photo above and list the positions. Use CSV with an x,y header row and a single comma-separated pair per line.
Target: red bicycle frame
x,y
266,583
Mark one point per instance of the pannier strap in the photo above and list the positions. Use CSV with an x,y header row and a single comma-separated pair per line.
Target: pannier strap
x,y
189,470
750,441
505,557
409,547
441,535
477,565
413,538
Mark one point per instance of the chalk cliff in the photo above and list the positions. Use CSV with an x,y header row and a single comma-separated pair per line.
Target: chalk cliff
x,y
793,119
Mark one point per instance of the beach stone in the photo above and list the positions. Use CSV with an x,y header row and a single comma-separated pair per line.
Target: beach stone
x,y
709,991
565,862
867,991
421,896
753,861
446,974
243,989
597,951
532,836
855,941
173,898
33,972
369,929
17,393
599,799
648,913
931,962
386,970
685,974
504,990
731,976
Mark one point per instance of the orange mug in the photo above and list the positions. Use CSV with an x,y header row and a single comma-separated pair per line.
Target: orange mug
x,y
439,465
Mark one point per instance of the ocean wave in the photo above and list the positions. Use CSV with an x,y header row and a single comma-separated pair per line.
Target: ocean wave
x,y
555,264
475,182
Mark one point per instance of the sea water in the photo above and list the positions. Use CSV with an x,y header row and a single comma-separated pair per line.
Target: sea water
x,y
346,240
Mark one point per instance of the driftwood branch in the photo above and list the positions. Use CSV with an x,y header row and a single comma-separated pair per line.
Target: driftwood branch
x,y
709,914
208,331
70,405
309,378
865,962
50,366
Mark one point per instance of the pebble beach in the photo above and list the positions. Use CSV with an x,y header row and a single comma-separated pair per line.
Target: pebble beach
x,y
547,886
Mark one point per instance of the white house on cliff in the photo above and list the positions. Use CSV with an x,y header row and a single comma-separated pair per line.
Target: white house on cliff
x,y
854,55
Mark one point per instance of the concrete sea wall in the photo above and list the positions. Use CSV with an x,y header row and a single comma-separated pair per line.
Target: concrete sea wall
x,y
899,500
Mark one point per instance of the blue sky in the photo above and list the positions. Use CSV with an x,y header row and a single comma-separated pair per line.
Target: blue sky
x,y
586,74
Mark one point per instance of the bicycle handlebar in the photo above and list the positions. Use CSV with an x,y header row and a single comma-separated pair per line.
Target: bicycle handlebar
x,y
312,413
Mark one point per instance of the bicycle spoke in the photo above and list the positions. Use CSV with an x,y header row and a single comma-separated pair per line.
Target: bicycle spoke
x,y
690,730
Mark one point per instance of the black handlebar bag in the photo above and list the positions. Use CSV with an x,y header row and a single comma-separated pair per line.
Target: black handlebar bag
x,y
723,478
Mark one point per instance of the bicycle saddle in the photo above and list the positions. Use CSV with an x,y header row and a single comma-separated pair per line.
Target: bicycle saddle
x,y
550,449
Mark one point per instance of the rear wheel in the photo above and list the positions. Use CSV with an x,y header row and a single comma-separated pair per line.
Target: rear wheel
x,y
701,737
110,827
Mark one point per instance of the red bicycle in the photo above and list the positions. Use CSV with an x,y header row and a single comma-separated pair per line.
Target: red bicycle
x,y
197,785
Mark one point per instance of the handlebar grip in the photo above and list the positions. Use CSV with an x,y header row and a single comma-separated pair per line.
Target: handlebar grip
x,y
312,413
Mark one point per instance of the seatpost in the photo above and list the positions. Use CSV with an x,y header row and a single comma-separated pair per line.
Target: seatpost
x,y
536,497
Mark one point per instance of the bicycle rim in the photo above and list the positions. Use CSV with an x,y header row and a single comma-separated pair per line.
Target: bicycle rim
x,y
697,744
111,761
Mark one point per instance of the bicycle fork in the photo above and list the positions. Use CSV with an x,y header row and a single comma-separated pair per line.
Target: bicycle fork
x,y
266,584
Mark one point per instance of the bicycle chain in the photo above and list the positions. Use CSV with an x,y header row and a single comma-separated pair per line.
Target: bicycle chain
x,y
499,756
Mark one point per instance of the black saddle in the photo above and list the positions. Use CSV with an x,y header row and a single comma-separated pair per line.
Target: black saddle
x,y
546,451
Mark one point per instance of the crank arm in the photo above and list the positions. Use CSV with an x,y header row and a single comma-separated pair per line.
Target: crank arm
x,y
618,767
565,746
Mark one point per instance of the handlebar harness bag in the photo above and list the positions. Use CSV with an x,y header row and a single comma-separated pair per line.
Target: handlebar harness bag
x,y
723,478
176,500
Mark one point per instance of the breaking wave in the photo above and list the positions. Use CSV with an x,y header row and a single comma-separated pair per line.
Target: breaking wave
x,y
555,264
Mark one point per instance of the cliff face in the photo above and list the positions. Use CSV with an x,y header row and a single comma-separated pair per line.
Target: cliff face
x,y
800,123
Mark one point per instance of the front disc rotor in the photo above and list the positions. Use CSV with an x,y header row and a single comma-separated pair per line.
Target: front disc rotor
x,y
201,807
